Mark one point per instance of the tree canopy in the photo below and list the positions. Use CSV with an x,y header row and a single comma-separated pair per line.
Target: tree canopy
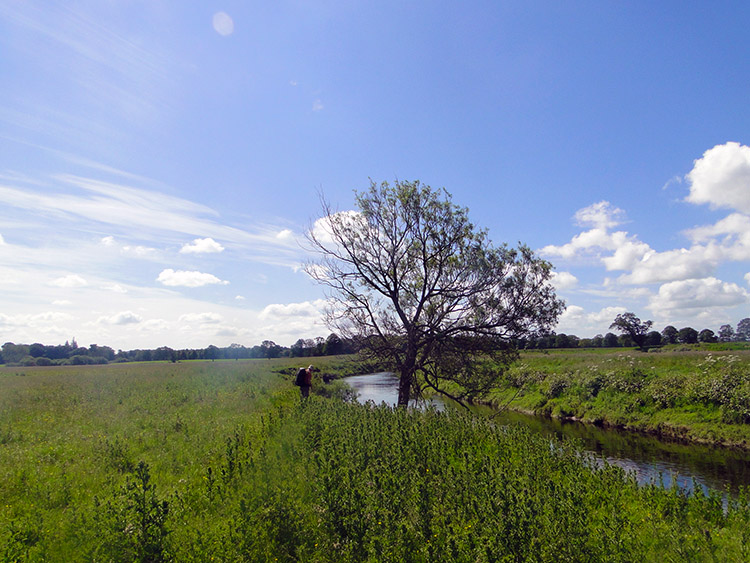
x,y
630,325
425,291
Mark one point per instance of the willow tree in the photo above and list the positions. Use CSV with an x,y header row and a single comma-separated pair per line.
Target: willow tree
x,y
424,291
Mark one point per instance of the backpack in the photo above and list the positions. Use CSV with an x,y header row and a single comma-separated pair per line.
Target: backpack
x,y
301,375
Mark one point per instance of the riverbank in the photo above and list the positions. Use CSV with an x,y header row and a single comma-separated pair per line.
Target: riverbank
x,y
685,394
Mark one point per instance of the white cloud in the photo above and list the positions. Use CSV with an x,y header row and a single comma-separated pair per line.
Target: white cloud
x,y
747,278
721,178
317,105
322,230
62,302
308,309
239,298
202,246
139,251
108,241
2,241
115,287
71,280
201,318
677,296
122,318
285,234
601,215
575,320
674,265
564,280
185,278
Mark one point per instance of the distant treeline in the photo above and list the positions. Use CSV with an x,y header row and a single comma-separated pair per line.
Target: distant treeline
x,y
71,353
670,335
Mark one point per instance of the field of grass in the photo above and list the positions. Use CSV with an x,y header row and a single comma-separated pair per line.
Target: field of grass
x,y
700,394
221,461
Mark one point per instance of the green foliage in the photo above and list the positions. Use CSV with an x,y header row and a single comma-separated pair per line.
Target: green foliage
x,y
202,461
709,385
133,525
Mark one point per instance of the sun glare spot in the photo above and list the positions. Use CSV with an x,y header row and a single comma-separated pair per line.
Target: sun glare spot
x,y
223,24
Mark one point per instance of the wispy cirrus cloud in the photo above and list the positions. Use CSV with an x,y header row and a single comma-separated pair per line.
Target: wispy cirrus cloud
x,y
75,203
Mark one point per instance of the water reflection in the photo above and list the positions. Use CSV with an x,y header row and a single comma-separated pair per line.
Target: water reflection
x,y
648,457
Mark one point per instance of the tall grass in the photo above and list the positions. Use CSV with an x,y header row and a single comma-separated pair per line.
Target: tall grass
x,y
222,461
695,394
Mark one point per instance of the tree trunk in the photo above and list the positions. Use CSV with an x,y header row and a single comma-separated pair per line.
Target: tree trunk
x,y
404,388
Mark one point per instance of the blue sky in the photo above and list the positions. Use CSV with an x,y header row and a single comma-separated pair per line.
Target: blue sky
x,y
160,160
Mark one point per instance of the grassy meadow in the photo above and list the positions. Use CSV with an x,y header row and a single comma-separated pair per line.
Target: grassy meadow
x,y
699,393
221,461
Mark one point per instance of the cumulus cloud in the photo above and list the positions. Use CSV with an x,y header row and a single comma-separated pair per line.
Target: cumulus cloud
x,y
174,278
122,318
677,296
71,280
202,246
747,278
201,318
673,265
285,234
2,241
322,230
107,241
721,178
310,309
564,280
601,215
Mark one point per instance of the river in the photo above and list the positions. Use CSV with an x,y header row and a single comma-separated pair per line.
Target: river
x,y
648,457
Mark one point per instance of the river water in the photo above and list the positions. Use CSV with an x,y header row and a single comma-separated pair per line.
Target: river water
x,y
648,457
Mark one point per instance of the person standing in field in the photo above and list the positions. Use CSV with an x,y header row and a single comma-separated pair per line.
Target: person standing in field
x,y
304,380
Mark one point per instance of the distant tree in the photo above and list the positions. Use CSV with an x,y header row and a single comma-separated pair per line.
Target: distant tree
x,y
14,353
653,338
296,349
630,325
707,335
669,335
743,330
163,354
212,353
597,341
37,350
429,292
726,333
562,341
610,341
270,349
334,345
687,335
